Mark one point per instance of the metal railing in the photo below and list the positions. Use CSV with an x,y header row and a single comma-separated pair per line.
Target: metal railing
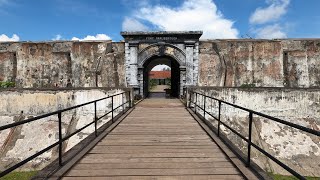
x,y
250,112
59,143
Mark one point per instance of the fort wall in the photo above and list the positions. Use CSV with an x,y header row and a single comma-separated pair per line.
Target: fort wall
x,y
298,149
20,142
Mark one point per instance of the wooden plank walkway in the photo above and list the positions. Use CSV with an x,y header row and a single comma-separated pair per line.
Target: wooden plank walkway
x,y
158,140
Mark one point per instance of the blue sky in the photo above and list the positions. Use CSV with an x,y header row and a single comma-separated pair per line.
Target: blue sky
x,y
37,20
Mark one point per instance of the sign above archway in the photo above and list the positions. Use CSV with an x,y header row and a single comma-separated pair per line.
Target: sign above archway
x,y
182,46
166,36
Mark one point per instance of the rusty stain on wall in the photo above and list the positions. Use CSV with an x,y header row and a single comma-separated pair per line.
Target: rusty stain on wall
x,y
264,63
231,63
62,64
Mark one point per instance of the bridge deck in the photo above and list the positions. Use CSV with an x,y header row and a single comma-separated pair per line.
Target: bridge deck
x,y
158,140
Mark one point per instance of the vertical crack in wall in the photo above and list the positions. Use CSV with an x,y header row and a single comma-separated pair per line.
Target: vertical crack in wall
x,y
14,68
286,82
96,69
225,71
115,70
69,70
252,62
223,65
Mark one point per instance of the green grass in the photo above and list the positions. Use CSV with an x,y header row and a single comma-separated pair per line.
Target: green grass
x,y
6,84
281,177
22,175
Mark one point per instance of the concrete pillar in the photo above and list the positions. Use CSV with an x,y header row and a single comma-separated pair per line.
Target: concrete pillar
x,y
133,70
127,63
189,62
140,79
195,63
182,79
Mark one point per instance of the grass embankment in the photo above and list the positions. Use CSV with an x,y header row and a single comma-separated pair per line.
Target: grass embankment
x,y
22,175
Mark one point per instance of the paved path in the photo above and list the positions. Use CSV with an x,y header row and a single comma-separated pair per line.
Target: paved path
x,y
158,140
159,88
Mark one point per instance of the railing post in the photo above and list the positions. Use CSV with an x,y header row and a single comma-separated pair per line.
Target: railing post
x,y
249,139
219,118
60,139
189,93
204,107
122,102
112,109
130,103
195,104
95,118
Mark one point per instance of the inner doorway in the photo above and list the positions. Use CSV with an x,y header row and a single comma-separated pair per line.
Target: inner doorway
x,y
167,82
160,82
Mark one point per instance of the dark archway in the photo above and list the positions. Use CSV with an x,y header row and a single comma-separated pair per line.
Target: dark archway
x,y
175,73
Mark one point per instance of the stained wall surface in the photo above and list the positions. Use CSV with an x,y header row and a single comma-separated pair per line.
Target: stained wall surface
x,y
229,63
260,63
20,142
62,64
299,150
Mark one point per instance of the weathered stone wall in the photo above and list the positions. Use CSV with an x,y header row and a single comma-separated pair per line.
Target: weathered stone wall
x,y
20,142
229,63
263,63
62,64
298,149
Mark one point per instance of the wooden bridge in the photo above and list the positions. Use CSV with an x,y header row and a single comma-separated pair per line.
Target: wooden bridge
x,y
159,139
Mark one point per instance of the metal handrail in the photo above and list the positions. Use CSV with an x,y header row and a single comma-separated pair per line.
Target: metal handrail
x,y
248,140
62,139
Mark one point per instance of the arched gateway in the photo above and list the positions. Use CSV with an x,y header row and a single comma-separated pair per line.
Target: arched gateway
x,y
144,50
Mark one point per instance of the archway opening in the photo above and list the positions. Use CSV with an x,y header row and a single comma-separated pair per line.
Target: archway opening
x,y
165,80
160,81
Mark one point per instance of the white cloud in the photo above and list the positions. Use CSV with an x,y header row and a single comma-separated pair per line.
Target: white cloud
x,y
93,38
270,15
273,12
191,15
271,32
131,24
160,67
5,38
57,37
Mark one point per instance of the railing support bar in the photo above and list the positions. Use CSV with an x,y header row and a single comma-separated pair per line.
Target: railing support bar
x,y
122,103
112,109
249,140
219,118
204,107
189,93
95,119
60,139
195,104
130,102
